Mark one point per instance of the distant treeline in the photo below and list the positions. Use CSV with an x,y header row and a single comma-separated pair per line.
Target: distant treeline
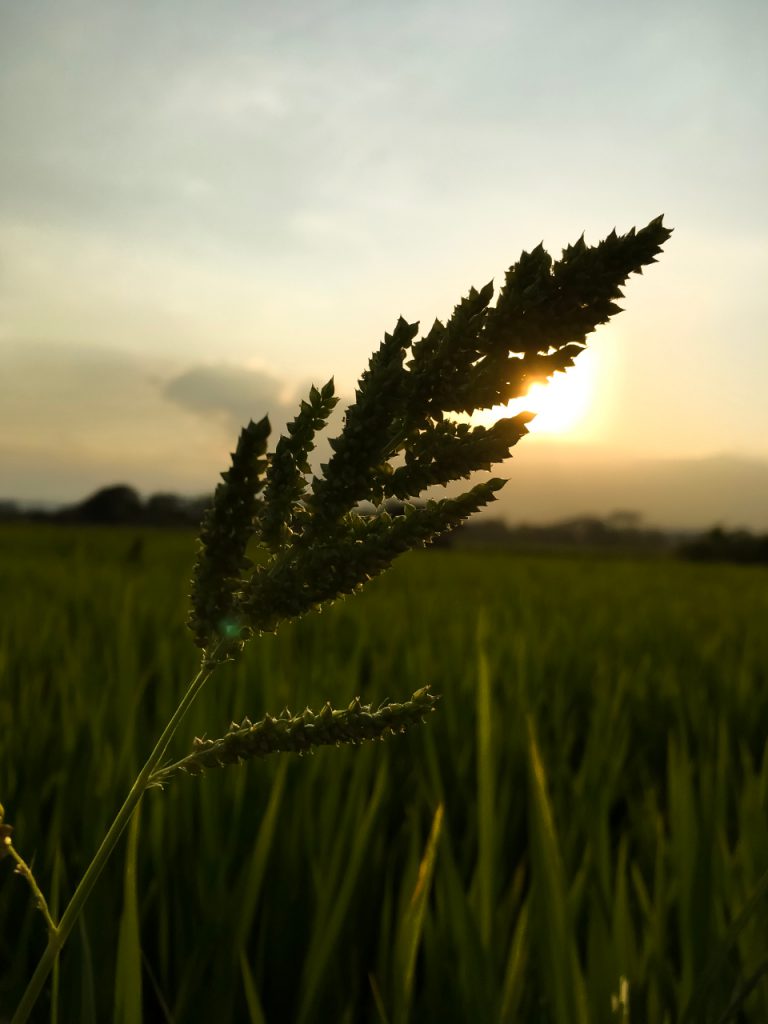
x,y
618,532
721,545
595,534
118,505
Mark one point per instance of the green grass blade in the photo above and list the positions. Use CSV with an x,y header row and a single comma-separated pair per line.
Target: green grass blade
x,y
128,970
514,975
87,980
471,974
255,1011
325,936
719,958
248,892
53,904
378,1000
564,986
485,790
743,993
412,923
624,939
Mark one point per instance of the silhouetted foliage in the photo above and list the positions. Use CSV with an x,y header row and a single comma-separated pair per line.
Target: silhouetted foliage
x,y
618,532
122,505
719,545
118,504
9,510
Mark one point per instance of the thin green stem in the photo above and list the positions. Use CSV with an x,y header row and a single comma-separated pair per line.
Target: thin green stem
x,y
23,869
58,937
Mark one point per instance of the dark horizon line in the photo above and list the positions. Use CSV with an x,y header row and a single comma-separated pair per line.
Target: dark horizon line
x,y
122,504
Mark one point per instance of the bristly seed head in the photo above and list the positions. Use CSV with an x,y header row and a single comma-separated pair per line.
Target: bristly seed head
x,y
301,733
313,544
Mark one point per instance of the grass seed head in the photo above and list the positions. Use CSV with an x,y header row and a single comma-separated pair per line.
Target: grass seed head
x,y
397,441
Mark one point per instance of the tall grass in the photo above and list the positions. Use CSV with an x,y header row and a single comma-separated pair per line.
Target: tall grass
x,y
590,802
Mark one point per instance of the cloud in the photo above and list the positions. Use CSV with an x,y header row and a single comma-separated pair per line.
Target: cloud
x,y
76,417
233,394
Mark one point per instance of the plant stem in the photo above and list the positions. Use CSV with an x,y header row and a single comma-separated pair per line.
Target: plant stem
x,y
23,869
59,936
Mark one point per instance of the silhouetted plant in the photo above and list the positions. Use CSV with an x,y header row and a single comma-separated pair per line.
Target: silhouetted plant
x,y
398,440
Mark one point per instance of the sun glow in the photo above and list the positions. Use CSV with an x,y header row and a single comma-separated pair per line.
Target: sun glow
x,y
561,405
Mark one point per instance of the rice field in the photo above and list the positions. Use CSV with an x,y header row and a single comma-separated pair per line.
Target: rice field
x,y
579,834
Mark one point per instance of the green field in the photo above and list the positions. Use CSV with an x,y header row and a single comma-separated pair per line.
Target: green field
x,y
599,752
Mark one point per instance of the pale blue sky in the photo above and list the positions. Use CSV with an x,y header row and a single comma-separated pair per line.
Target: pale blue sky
x,y
205,206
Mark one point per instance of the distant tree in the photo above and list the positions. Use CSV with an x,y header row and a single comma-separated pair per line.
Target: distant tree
x,y
9,510
165,510
719,545
118,504
624,519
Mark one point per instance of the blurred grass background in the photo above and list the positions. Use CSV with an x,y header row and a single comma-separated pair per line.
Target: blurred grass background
x,y
589,803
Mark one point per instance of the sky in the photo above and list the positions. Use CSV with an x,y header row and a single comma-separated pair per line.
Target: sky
x,y
205,208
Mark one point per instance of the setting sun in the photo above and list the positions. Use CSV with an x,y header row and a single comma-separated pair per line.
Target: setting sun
x,y
560,405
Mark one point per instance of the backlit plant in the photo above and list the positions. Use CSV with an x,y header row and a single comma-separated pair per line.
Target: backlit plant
x,y
279,541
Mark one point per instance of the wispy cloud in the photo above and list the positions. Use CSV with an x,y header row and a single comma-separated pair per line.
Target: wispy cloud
x,y
74,417
231,394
